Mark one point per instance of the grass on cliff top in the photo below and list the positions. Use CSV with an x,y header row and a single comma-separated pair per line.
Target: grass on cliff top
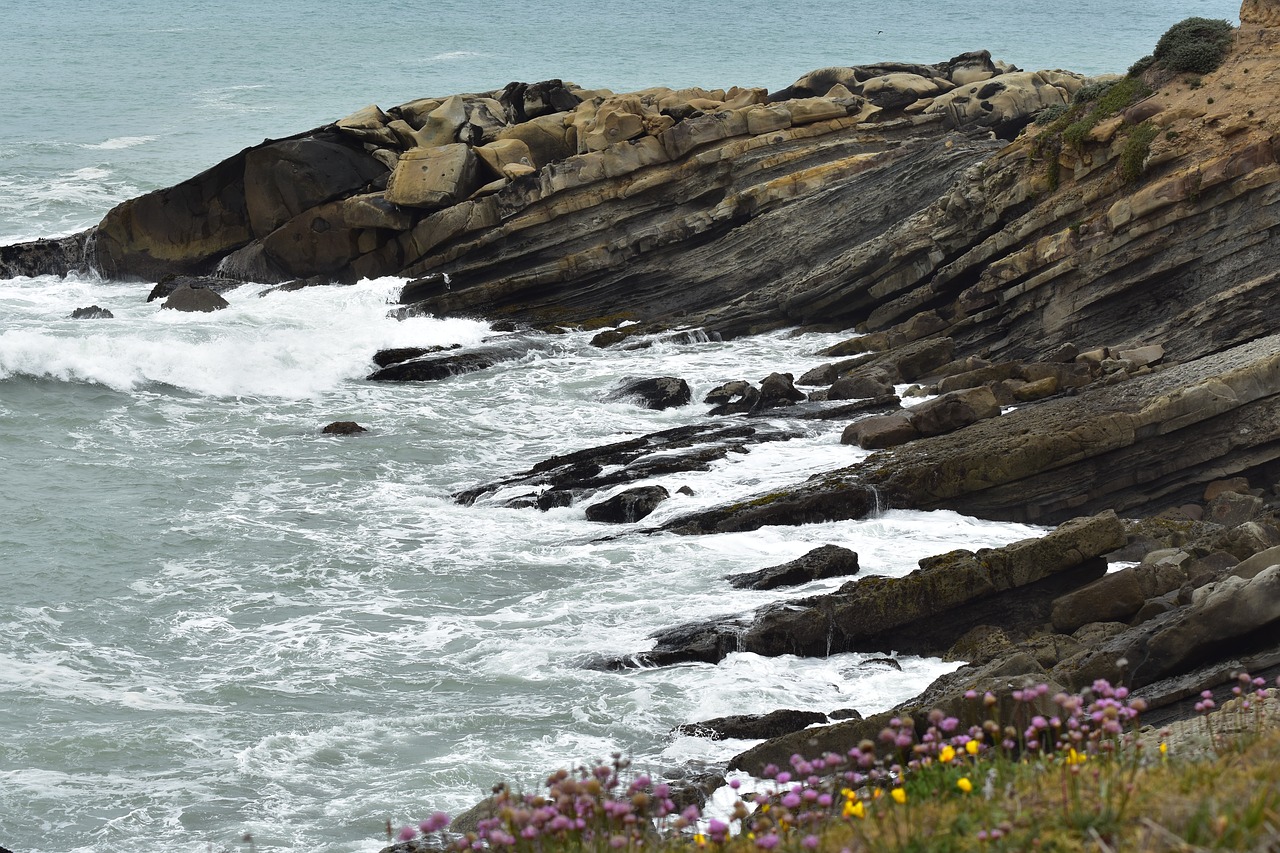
x,y
1061,773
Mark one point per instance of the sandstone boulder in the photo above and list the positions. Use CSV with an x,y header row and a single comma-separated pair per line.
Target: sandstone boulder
x,y
954,411
545,136
434,177
880,431
1007,103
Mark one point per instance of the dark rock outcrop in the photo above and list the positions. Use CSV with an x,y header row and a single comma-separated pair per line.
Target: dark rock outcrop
x,y
753,726
664,392
343,428
628,507
435,364
92,312
828,561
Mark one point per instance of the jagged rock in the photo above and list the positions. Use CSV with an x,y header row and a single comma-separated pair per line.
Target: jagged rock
x,y
92,312
1260,13
733,398
170,283
1230,617
343,428
687,448
924,612
195,299
388,357
59,256
778,389
828,561
752,726
441,365
629,506
664,392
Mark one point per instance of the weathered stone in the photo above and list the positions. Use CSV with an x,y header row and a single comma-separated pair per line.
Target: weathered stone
x,y
1253,566
828,561
195,299
1232,508
629,506
809,110
502,154
954,411
823,375
283,179
1240,485
545,137
733,398
859,387
434,177
880,431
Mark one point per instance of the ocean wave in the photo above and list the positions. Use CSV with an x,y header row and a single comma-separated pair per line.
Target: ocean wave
x,y
453,56
119,142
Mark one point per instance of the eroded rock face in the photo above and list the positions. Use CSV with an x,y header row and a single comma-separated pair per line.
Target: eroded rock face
x,y
1263,13
827,561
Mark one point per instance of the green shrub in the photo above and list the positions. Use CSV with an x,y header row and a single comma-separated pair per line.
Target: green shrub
x,y
1196,45
1135,151
1136,69
1049,114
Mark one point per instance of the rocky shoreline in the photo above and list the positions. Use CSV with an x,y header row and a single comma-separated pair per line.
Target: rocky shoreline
x,y
1085,305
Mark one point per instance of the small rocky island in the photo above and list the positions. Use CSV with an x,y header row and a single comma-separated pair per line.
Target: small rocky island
x,y
1081,275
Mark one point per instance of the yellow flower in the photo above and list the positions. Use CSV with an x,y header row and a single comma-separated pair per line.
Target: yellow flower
x,y
854,808
947,754
971,747
1164,749
1074,757
700,840
899,795
964,784
847,793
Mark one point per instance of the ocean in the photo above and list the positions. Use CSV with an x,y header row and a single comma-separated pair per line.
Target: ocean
x,y
215,620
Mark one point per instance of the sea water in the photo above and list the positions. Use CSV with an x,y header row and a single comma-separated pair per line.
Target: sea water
x,y
215,620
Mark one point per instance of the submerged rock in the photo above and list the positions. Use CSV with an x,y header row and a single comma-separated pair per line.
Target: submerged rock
x,y
664,392
343,428
628,507
92,312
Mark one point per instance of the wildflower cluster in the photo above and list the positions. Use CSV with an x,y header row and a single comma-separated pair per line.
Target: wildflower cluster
x,y
985,777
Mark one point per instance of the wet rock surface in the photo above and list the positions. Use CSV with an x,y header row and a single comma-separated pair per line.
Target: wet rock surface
x,y
828,561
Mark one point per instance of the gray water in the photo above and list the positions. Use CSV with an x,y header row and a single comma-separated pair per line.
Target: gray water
x,y
215,620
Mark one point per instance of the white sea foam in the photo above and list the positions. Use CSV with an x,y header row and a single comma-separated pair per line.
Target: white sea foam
x,y
119,142
287,345
452,56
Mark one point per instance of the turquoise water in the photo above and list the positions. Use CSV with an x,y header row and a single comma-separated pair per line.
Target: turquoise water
x,y
214,620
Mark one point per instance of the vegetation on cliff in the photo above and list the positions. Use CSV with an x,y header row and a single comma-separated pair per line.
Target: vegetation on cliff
x,y
1024,772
